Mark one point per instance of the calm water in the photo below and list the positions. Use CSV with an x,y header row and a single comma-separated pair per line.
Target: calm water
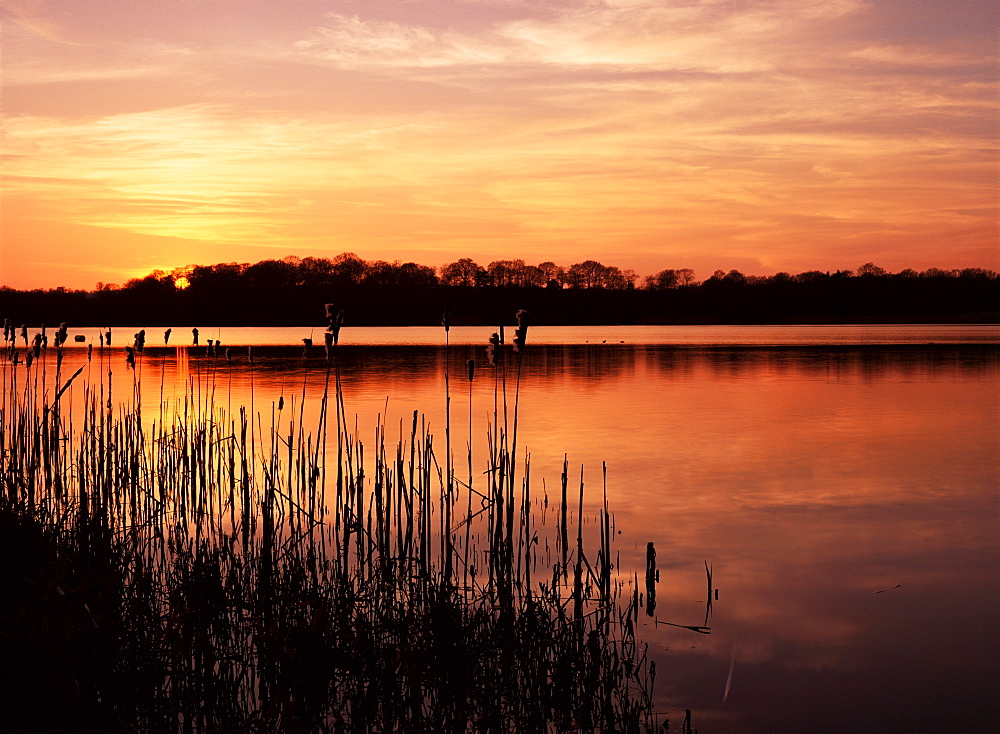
x,y
841,482
843,334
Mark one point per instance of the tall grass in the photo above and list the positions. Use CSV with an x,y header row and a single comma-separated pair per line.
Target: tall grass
x,y
215,571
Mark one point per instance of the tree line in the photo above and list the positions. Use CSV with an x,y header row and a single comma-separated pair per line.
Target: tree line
x,y
287,291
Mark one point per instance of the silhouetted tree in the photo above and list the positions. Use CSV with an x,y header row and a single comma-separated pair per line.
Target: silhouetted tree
x,y
157,283
626,278
219,277
977,274
349,269
316,271
870,270
662,280
277,292
269,275
811,276
588,274
734,277
506,273
553,276
412,274
464,271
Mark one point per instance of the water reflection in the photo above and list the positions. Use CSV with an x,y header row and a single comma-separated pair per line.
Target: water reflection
x,y
845,497
690,335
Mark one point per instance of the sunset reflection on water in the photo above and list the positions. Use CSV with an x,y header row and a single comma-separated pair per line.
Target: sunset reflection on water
x,y
844,497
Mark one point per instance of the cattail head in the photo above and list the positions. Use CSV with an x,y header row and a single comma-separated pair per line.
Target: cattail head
x,y
166,336
328,342
194,336
130,357
62,334
28,357
494,351
337,323
90,351
107,338
281,402
334,320
446,319
471,364
521,332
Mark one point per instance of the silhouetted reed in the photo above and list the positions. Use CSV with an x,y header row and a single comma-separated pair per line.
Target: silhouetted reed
x,y
203,572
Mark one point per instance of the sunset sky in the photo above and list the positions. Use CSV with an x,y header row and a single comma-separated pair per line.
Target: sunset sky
x,y
761,135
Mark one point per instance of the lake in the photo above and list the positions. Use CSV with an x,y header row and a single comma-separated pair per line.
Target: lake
x,y
840,481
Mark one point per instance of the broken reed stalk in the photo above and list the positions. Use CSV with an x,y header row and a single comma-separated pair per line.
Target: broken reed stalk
x,y
217,589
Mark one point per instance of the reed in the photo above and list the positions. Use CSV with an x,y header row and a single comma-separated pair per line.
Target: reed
x,y
210,572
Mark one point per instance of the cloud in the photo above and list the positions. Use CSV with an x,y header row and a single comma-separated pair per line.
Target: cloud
x,y
202,171
350,42
752,132
32,15
718,37
914,56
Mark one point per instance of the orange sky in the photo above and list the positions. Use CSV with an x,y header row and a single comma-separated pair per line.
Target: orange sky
x,y
757,135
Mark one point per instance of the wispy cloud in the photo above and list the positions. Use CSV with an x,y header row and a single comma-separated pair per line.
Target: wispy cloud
x,y
651,36
33,16
916,56
350,42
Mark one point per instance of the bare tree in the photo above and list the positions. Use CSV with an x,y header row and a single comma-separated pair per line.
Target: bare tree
x,y
871,270
588,274
462,272
663,280
349,267
553,276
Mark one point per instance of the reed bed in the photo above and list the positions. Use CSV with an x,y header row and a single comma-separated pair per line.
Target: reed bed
x,y
229,568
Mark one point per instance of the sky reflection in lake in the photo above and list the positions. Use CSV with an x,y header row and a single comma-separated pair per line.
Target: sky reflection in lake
x,y
845,498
